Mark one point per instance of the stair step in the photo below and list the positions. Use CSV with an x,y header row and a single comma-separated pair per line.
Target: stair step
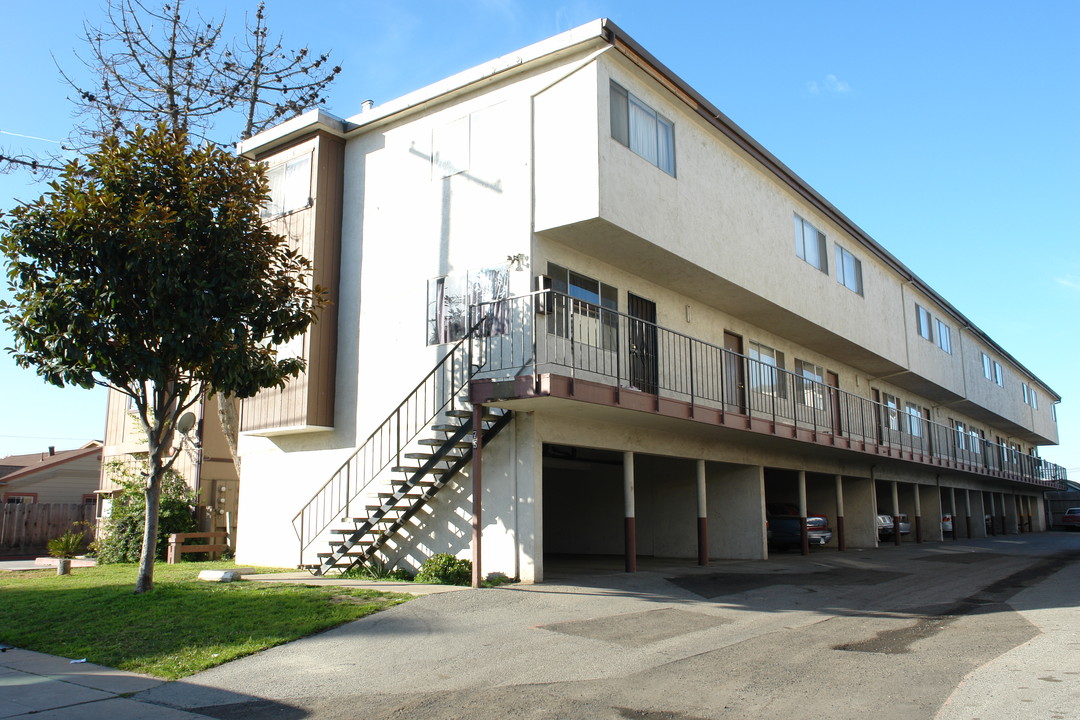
x,y
488,414
435,442
446,428
427,456
413,470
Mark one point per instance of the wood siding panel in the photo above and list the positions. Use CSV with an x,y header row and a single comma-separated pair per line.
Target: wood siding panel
x,y
308,400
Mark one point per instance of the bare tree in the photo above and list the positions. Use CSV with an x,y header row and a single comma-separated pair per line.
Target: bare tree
x,y
147,63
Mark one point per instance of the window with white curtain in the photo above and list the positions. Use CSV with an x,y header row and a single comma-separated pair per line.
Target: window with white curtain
x,y
810,245
848,270
290,186
638,126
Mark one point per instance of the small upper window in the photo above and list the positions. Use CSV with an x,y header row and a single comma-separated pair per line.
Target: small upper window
x,y
810,245
922,321
848,270
642,129
290,186
988,366
944,337
998,377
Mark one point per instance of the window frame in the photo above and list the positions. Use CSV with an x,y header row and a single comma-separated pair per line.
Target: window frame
x,y
842,257
624,131
776,385
604,311
822,250
810,394
281,201
944,336
924,323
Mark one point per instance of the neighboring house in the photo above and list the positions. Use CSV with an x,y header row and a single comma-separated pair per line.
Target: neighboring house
x,y
64,476
205,462
671,329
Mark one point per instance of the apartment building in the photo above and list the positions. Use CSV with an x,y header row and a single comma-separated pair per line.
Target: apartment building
x,y
578,311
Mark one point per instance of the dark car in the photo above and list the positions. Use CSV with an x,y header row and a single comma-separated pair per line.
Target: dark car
x,y
785,528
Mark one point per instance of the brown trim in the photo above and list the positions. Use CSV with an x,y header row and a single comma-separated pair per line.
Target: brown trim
x,y
32,495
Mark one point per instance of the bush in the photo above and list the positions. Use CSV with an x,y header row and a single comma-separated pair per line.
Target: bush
x,y
120,535
445,569
70,544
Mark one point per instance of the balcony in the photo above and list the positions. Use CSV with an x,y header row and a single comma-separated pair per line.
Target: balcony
x,y
551,345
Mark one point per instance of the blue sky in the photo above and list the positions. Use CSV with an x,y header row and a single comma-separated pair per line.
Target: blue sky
x,y
949,131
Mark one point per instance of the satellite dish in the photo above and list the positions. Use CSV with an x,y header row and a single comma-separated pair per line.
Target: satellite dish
x,y
185,423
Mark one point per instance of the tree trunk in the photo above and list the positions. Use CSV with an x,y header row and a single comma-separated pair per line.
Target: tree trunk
x,y
145,580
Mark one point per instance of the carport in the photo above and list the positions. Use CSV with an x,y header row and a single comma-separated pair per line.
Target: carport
x,y
610,504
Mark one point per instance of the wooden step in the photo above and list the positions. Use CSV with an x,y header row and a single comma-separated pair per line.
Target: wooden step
x,y
414,470
488,414
436,442
446,428
448,458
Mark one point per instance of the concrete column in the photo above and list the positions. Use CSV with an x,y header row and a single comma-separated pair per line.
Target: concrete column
x,y
967,513
1004,526
841,540
952,511
918,514
896,512
477,493
702,516
630,525
992,512
802,513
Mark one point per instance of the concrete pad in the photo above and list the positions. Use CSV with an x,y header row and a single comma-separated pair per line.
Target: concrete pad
x,y
89,675
26,692
75,562
219,575
117,709
304,578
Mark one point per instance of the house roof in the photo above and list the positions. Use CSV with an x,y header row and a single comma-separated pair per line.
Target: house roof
x,y
18,467
604,32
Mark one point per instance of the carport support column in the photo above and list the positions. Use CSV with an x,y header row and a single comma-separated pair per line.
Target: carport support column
x,y
841,541
803,532
896,512
952,511
967,512
702,517
918,513
1004,527
477,490
630,542
992,513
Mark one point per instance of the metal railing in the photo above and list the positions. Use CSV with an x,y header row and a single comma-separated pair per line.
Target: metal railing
x,y
437,392
547,331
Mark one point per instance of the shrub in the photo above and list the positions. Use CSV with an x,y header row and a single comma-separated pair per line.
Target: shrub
x,y
120,535
445,569
374,569
70,544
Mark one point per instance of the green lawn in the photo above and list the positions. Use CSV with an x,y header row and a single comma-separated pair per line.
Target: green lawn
x,y
183,626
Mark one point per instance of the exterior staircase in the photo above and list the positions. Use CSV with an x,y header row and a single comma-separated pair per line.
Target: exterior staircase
x,y
398,470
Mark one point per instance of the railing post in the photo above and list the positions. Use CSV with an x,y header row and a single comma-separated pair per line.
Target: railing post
x,y
692,393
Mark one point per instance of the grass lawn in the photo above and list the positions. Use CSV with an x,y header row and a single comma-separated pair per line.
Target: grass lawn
x,y
181,627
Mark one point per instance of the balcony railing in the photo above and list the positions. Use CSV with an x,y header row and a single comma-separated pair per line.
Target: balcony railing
x,y
548,332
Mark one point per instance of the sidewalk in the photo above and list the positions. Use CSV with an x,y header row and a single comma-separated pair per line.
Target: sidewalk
x,y
47,687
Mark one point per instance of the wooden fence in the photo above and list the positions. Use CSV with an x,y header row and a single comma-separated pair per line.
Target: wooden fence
x,y
25,528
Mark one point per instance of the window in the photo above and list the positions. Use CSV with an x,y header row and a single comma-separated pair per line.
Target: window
x,y
20,498
810,384
450,297
922,321
1053,411
642,129
997,374
290,186
810,245
944,337
764,377
975,440
914,420
592,305
1030,398
892,411
848,270
988,367
961,434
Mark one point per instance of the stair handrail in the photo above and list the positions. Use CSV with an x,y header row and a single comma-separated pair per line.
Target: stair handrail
x,y
331,500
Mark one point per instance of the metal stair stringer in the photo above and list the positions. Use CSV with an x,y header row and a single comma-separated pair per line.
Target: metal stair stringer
x,y
383,522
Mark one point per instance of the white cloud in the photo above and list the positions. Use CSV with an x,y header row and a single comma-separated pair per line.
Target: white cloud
x,y
831,84
1071,282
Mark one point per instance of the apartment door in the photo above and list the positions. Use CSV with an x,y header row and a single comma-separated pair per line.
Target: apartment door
x,y
642,338
734,373
833,381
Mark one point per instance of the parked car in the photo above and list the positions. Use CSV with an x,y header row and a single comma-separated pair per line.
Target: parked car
x,y
946,523
785,530
1071,518
885,525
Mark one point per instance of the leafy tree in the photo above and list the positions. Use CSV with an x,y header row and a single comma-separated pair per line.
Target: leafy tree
x,y
149,270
